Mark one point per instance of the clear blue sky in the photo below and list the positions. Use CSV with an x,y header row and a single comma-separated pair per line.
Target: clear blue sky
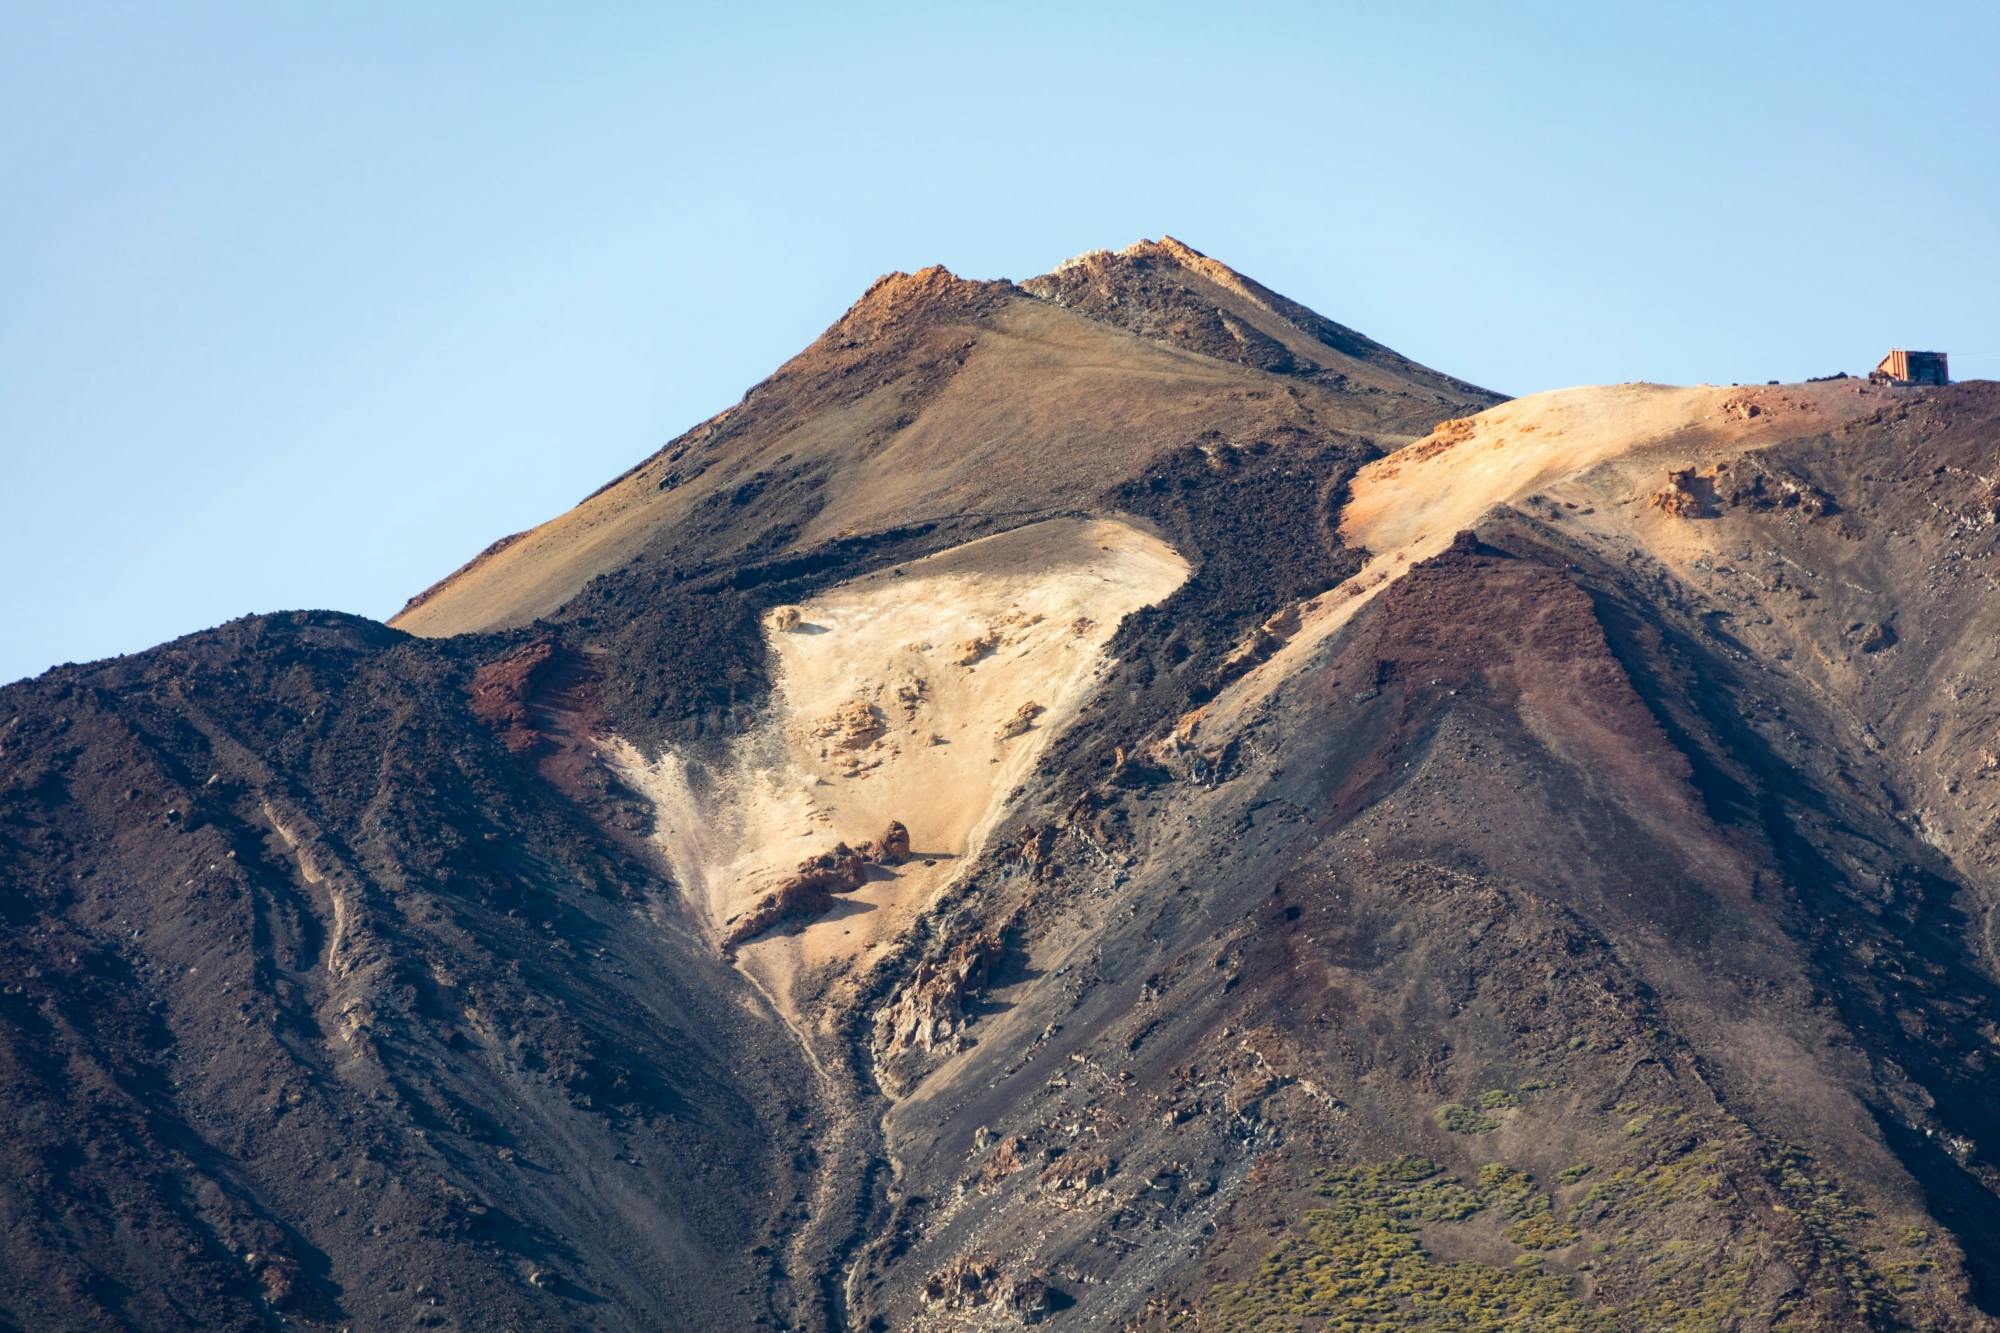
x,y
301,305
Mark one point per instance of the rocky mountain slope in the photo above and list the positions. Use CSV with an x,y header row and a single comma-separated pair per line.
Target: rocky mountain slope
x,y
1112,801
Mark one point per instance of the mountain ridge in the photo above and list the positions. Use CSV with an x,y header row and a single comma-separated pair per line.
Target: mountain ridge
x,y
914,318
1146,813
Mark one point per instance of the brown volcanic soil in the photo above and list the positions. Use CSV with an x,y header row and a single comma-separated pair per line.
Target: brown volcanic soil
x,y
1538,871
1170,292
1472,858
936,411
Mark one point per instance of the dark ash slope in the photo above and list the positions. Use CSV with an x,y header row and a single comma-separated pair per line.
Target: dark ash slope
x,y
323,1007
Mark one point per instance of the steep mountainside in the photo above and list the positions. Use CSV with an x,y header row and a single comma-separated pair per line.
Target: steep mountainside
x,y
1108,802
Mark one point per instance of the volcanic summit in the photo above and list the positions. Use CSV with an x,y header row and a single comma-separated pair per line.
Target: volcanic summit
x,y
1107,801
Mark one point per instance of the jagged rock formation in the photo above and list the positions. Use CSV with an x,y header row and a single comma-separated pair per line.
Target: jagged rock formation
x,y
1310,841
810,890
928,1014
1737,481
808,893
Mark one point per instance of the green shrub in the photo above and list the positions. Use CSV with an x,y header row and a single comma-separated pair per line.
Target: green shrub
x,y
1458,1119
1357,1263
1541,1232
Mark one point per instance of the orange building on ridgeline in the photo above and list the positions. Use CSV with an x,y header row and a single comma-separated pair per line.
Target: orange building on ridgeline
x,y
1901,367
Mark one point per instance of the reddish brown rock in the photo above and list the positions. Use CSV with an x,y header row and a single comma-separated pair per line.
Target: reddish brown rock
x,y
893,847
1009,1156
808,893
502,690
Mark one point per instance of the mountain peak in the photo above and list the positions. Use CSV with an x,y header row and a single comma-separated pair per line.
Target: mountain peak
x,y
932,278
933,290
1177,251
1167,248
1169,291
1123,754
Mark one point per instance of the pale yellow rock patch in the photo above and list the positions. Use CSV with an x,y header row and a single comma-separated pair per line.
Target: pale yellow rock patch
x,y
947,741
1594,447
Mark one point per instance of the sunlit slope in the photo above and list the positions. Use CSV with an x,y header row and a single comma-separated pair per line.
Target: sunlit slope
x,y
934,397
1588,458
922,695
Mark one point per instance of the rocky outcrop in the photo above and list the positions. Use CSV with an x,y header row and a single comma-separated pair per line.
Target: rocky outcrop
x,y
808,893
929,1014
855,725
1685,495
502,692
1030,1299
978,1282
1738,483
1023,719
1034,850
812,888
967,1281
896,301
892,848
972,650
1073,1179
1008,1156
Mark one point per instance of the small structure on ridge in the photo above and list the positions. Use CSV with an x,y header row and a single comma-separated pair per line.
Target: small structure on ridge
x,y
1901,367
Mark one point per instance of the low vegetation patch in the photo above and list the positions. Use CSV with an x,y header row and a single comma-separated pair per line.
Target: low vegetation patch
x,y
1359,1262
1458,1119
1643,1229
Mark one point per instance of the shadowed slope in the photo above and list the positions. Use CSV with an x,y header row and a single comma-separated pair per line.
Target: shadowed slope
x,y
322,1006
